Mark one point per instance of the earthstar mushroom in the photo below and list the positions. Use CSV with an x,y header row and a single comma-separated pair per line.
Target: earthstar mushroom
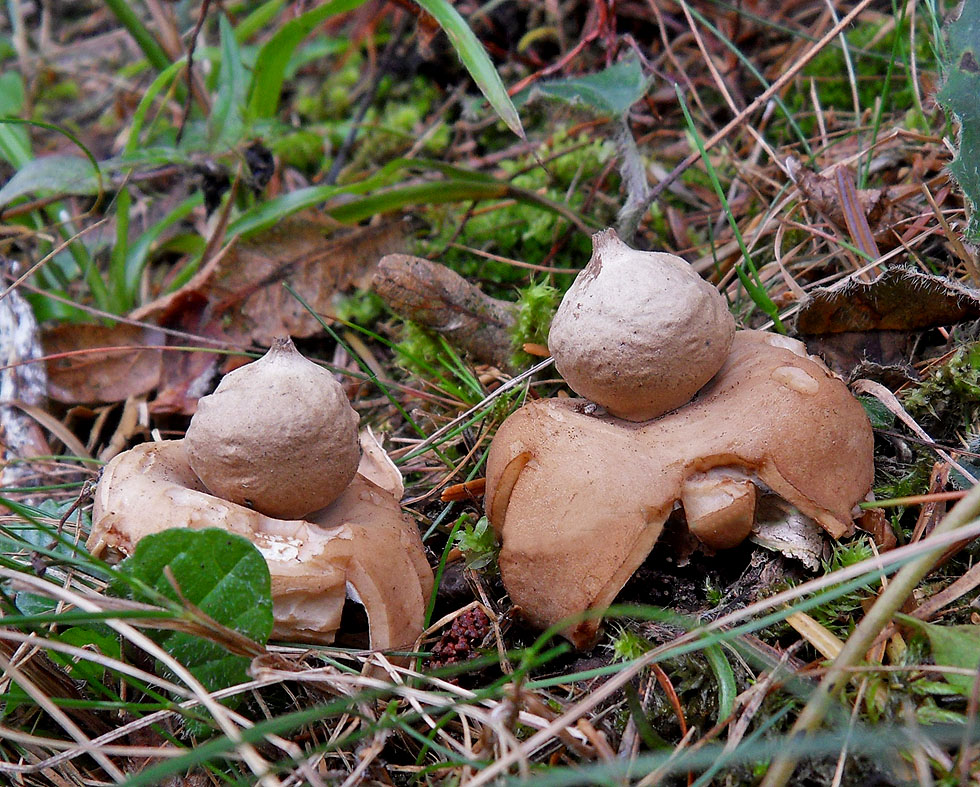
x,y
359,547
578,499
273,455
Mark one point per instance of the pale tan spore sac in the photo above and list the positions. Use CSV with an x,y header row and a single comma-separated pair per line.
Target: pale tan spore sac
x,y
639,332
277,435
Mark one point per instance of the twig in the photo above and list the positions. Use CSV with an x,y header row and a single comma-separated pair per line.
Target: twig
x,y
192,86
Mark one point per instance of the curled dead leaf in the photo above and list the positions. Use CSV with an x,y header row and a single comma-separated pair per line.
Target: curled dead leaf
x,y
113,364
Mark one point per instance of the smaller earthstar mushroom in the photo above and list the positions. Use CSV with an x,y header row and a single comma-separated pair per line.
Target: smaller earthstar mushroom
x,y
360,547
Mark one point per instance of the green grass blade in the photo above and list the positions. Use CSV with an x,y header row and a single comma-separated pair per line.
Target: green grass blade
x,y
726,681
745,61
226,124
123,11
747,273
15,144
257,20
273,58
437,579
163,80
123,282
476,60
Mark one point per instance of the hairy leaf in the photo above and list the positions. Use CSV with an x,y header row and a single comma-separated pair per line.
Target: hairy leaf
x,y
611,91
959,95
221,574
57,174
952,646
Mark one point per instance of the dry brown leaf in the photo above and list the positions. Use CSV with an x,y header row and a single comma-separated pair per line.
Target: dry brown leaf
x,y
856,323
240,295
825,195
104,374
875,522
900,299
882,355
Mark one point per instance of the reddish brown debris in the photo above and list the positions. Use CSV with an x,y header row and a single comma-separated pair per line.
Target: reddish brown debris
x,y
460,643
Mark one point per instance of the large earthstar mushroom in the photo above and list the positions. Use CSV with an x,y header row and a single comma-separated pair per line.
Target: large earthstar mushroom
x,y
578,499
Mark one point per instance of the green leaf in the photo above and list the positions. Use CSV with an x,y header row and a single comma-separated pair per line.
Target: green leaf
x,y
223,575
84,637
611,91
461,185
57,174
879,415
477,543
952,646
15,144
273,58
226,124
163,80
141,34
476,60
959,96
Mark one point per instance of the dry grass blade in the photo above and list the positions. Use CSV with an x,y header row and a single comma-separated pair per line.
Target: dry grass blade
x,y
959,519
927,547
43,701
259,766
890,401
760,100
854,216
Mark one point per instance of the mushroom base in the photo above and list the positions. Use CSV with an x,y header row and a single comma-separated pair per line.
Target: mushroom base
x,y
360,542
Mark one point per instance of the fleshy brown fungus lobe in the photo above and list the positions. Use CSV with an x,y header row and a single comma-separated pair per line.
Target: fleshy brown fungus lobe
x,y
579,500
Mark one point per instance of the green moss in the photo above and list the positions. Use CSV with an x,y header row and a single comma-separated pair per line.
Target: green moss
x,y
628,645
840,614
301,149
951,394
536,305
522,231
361,307
418,350
871,53
395,123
